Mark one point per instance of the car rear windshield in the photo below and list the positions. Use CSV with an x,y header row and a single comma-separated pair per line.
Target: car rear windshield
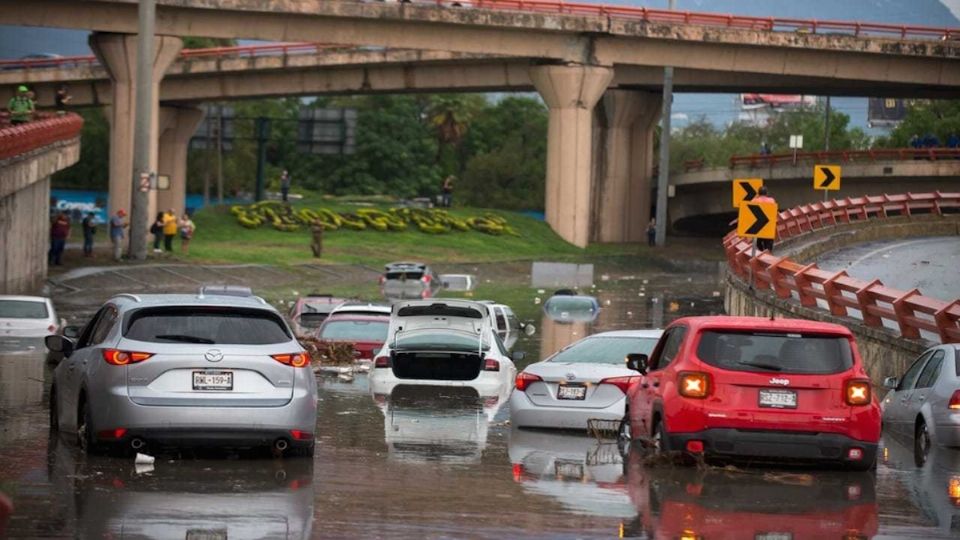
x,y
439,341
355,331
23,309
775,352
405,274
605,350
221,326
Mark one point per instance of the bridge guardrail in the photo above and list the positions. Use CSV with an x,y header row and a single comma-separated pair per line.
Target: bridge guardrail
x,y
43,131
910,310
845,156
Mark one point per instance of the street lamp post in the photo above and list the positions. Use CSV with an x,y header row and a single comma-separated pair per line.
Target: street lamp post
x,y
663,178
142,175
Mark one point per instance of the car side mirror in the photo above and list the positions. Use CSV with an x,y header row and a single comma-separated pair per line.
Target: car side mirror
x,y
517,356
891,383
638,362
72,332
59,344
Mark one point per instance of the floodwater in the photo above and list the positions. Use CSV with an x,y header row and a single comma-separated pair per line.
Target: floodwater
x,y
420,462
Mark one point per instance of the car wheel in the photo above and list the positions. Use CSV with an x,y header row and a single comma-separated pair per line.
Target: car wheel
x,y
659,442
921,444
624,435
85,437
54,416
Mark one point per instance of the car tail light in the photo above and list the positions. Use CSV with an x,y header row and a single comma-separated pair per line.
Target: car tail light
x,y
524,379
292,359
491,364
855,454
111,434
954,400
695,447
693,384
52,328
953,489
382,362
623,383
857,392
301,435
426,279
122,358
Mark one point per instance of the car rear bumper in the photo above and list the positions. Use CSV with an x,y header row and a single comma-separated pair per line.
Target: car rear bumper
x,y
524,413
212,437
775,446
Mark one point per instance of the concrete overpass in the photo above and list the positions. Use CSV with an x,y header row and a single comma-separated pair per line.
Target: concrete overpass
x,y
575,61
701,199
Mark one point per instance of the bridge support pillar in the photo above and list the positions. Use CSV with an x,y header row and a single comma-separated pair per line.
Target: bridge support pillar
x,y
177,126
118,54
624,165
570,93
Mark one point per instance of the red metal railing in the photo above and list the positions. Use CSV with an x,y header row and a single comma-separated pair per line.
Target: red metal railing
x,y
44,130
845,156
769,24
910,310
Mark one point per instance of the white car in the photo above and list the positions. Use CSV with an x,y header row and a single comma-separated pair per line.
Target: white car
x,y
448,343
505,323
358,308
584,381
25,321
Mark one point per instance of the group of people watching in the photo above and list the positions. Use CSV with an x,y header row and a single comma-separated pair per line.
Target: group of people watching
x,y
166,227
23,105
930,140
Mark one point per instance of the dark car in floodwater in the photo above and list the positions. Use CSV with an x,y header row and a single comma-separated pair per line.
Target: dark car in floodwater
x,y
566,306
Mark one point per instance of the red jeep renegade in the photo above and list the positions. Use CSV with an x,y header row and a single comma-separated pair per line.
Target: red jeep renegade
x,y
756,389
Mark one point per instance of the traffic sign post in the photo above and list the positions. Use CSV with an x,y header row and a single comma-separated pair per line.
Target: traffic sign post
x,y
745,189
826,178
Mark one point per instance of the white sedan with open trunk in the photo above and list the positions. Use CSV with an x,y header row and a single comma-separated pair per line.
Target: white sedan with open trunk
x,y
448,342
587,380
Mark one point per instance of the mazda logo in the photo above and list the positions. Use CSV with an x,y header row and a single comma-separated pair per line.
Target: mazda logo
x,y
213,355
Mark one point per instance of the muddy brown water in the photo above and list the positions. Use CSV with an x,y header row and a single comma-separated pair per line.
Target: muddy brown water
x,y
442,463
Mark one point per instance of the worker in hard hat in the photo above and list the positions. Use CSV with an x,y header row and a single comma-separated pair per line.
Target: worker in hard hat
x,y
21,106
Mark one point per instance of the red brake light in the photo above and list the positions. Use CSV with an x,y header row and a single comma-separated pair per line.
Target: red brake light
x,y
381,362
491,364
693,384
623,383
122,358
524,379
112,434
301,435
954,400
292,359
425,279
857,392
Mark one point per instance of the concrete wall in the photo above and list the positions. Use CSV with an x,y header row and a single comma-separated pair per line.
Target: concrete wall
x,y
884,352
24,211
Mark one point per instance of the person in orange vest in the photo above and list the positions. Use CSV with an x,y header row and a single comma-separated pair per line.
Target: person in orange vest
x,y
764,244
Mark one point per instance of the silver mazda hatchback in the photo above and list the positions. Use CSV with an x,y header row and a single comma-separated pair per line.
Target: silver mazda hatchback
x,y
176,370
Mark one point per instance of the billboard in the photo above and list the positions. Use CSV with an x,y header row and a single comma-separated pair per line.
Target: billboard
x,y
885,112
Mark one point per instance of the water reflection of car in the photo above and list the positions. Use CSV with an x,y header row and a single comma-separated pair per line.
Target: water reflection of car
x,y
449,343
209,499
924,404
718,504
177,369
408,280
586,380
582,474
565,306
365,333
25,321
437,423
309,312
934,487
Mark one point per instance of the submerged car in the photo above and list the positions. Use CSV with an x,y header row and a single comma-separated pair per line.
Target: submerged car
x,y
309,312
443,343
780,390
565,306
365,333
25,321
923,406
408,280
178,369
586,380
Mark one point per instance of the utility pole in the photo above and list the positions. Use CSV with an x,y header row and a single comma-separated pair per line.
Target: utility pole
x,y
664,176
826,127
140,200
262,128
219,153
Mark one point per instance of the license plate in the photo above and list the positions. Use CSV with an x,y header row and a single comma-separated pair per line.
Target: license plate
x,y
213,380
778,399
773,536
566,469
207,534
572,392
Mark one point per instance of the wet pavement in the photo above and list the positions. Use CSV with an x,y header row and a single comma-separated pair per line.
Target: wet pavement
x,y
420,462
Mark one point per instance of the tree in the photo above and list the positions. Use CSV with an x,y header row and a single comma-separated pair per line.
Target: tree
x,y
92,172
940,118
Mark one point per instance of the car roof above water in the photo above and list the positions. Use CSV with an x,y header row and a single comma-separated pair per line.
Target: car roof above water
x,y
136,301
761,324
653,333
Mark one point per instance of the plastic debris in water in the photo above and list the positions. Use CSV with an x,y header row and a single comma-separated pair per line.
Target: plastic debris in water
x,y
144,459
604,277
541,291
536,300
716,294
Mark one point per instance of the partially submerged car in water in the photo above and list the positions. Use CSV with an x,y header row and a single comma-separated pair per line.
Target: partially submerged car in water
x,y
449,343
309,312
565,306
408,280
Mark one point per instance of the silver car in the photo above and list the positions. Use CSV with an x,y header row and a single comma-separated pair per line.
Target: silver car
x,y
924,404
177,369
587,380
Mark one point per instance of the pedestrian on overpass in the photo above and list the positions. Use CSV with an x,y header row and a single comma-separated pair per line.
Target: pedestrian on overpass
x,y
59,232
21,107
89,225
117,225
61,99
764,244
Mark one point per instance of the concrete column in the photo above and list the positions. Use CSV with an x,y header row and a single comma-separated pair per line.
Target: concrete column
x,y
570,93
177,126
625,165
118,54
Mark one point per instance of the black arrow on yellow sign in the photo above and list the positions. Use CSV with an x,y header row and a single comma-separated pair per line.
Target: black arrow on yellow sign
x,y
828,177
761,219
747,188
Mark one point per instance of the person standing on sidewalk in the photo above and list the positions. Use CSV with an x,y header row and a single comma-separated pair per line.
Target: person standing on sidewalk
x,y
89,229
169,229
156,229
764,244
186,233
59,232
117,225
285,185
446,190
